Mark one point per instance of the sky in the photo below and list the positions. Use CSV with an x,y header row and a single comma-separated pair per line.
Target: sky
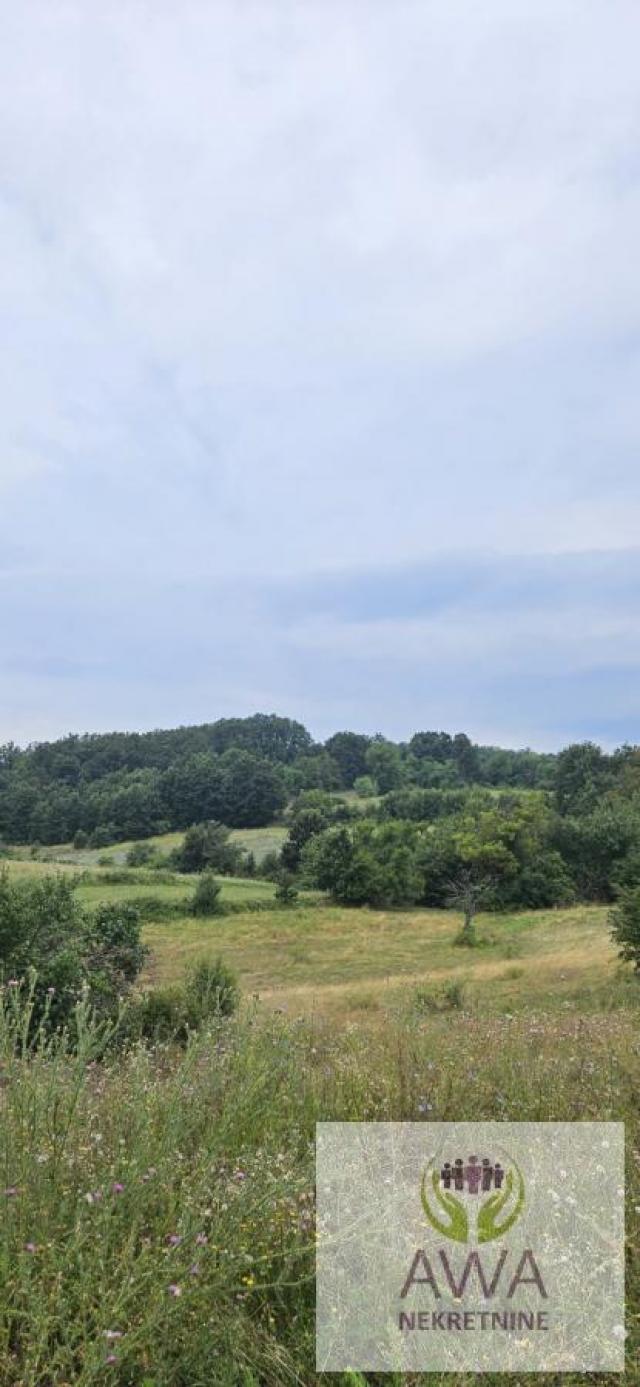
x,y
320,366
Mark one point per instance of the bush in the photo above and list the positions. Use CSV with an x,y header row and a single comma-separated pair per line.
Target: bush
x,y
286,893
206,897
141,854
160,1015
625,925
44,932
103,836
81,839
211,990
271,867
207,846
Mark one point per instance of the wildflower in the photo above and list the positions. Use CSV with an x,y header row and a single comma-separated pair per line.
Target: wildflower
x,y
201,1240
30,1247
117,1188
194,1269
239,1175
50,991
111,1358
175,1290
113,1333
174,1239
13,982
11,1191
93,1196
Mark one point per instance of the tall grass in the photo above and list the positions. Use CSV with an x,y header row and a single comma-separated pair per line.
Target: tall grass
x,y
157,1206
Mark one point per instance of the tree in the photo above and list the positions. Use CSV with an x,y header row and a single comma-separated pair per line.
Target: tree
x,y
264,735
625,925
44,930
348,750
206,897
286,890
582,773
207,846
384,763
253,790
466,893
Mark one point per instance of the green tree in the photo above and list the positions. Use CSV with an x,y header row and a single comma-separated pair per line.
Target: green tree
x,y
206,899
348,750
208,846
625,925
384,763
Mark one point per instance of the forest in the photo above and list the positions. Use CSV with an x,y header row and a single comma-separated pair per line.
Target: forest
x,y
368,820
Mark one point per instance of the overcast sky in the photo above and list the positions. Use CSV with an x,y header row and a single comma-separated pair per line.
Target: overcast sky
x,y
319,381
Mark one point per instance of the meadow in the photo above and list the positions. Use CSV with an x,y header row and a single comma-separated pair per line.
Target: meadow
x,y
157,1214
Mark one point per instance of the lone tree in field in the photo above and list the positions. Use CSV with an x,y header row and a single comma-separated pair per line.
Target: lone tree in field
x,y
466,893
625,925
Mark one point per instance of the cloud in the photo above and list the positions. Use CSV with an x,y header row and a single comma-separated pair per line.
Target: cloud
x,y
336,289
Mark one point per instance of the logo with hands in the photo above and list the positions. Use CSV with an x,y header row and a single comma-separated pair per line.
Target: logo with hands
x,y
473,1200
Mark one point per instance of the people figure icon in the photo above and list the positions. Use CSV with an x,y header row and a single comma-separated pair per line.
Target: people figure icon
x,y
446,1175
473,1175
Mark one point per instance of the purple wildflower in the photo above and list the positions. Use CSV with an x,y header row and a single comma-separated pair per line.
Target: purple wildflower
x,y
201,1240
117,1188
174,1239
30,1247
175,1290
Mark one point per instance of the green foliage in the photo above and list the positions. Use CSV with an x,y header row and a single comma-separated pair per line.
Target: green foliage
x,y
368,863
349,751
141,854
206,899
44,932
384,764
625,925
286,893
192,1168
207,847
211,990
365,786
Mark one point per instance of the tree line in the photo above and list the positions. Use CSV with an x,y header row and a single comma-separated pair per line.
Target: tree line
x,y
244,771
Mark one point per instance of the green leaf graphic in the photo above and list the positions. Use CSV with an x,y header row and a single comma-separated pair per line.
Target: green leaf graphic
x,y
488,1226
458,1226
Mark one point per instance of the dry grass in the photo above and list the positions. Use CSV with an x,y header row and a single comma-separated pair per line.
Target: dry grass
x,y
344,964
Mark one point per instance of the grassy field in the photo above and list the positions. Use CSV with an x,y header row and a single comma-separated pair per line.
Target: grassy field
x,y
259,841
359,964
157,1225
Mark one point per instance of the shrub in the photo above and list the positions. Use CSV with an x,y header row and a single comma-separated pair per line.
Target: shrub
x,y
206,846
103,835
156,1016
206,897
286,892
45,933
625,925
211,990
271,866
81,839
140,854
